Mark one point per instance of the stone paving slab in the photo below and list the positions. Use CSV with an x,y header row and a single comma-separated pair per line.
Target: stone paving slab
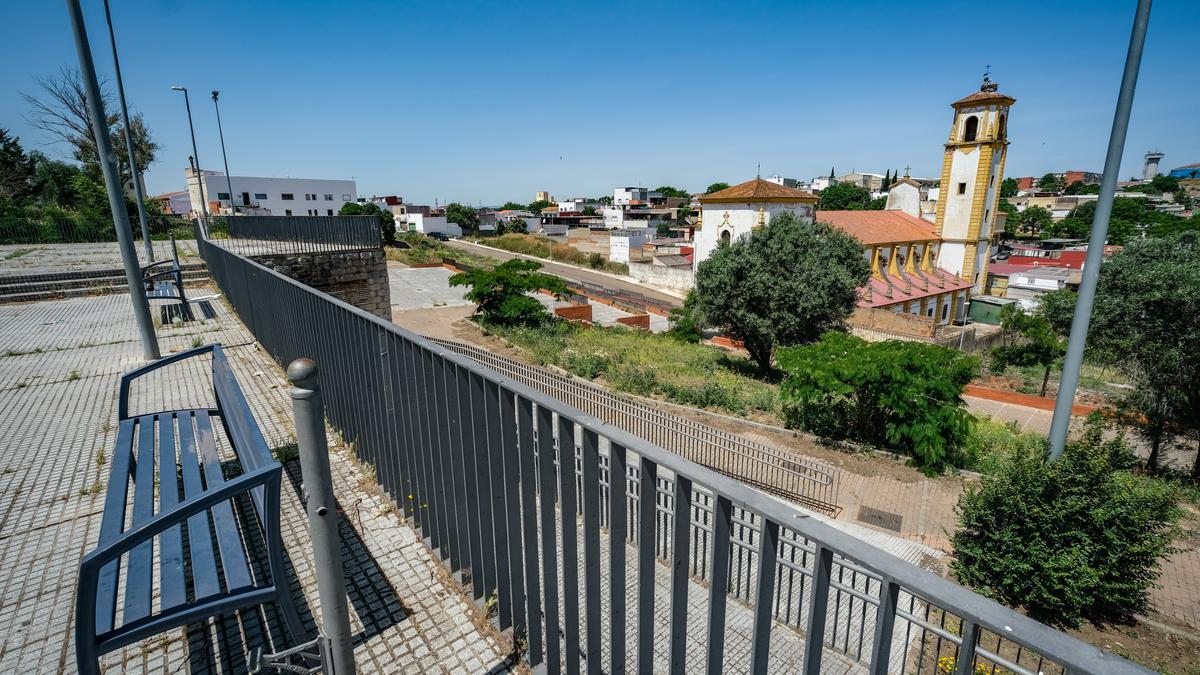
x,y
58,433
23,259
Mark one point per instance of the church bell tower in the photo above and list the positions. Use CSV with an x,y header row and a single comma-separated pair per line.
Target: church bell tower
x,y
972,170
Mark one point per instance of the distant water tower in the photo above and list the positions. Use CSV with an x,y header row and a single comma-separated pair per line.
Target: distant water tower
x,y
1151,169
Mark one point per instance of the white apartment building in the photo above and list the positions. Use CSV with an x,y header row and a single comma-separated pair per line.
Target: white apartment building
x,y
270,196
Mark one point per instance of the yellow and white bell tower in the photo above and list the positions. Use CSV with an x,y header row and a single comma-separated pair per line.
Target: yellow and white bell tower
x,y
972,170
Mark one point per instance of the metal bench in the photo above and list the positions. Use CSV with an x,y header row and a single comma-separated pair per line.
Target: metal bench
x,y
167,284
203,566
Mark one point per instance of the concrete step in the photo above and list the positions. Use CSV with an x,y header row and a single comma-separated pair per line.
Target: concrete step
x,y
79,287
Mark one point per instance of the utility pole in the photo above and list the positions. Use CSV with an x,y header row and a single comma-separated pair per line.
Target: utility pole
x,y
133,167
224,157
196,156
112,181
1060,424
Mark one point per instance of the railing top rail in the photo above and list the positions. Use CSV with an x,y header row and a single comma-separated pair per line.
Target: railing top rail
x,y
1076,655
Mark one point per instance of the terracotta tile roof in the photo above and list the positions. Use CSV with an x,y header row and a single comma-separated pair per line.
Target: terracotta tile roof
x,y
982,97
758,190
891,290
875,228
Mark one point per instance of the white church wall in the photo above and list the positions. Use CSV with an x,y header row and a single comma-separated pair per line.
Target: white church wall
x,y
738,220
905,197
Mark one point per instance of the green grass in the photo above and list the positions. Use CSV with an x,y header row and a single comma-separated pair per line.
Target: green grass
x,y
1106,381
18,253
646,364
540,247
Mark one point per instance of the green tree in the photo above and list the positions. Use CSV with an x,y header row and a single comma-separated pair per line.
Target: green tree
x,y
18,171
686,321
1033,220
54,181
1051,183
784,284
663,229
1146,322
1029,340
536,207
843,196
669,191
512,206
387,221
1182,198
877,204
589,211
716,187
502,294
1159,185
901,395
1008,187
887,179
1078,538
1058,308
512,226
462,215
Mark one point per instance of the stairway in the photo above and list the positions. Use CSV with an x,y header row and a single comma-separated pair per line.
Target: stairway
x,y
32,287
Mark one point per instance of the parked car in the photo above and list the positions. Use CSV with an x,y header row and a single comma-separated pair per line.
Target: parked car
x,y
440,236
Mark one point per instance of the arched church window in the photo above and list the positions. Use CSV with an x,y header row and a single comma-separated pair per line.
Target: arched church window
x,y
971,129
1003,128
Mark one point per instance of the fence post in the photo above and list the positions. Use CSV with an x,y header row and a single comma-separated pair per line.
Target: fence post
x,y
322,513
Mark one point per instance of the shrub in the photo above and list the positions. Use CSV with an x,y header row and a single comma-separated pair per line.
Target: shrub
x,y
501,294
589,365
902,395
1077,538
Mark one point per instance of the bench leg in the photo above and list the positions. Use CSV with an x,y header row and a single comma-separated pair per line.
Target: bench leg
x,y
87,660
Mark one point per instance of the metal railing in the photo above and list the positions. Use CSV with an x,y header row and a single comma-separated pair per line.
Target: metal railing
x,y
511,488
806,481
83,230
291,235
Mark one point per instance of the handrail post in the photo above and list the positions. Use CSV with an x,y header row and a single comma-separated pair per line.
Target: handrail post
x,y
322,513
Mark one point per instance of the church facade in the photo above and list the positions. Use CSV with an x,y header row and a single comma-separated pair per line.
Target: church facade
x,y
736,211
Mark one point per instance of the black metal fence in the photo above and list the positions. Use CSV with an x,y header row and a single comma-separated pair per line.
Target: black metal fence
x,y
289,235
514,490
84,230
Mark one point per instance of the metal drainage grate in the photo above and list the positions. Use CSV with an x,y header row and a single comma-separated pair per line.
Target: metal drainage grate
x,y
879,518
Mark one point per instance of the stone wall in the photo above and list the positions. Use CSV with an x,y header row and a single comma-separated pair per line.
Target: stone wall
x,y
357,277
679,278
912,325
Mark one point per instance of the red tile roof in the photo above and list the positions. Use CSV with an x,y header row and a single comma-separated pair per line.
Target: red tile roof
x,y
891,290
983,98
758,190
1070,259
875,228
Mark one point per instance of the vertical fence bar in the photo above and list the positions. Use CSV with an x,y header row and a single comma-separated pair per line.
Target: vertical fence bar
x,y
483,480
617,487
965,663
718,583
591,547
546,496
512,509
497,457
450,468
885,621
529,523
768,545
681,518
570,547
647,517
818,604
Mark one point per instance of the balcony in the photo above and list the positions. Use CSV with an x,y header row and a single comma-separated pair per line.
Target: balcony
x,y
485,521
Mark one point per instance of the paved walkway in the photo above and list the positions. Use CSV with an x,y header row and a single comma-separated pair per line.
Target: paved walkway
x,y
22,259
58,388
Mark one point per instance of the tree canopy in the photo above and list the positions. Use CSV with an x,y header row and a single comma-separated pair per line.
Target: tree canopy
x,y
669,191
1008,187
462,215
387,221
537,206
783,284
1051,183
1146,321
502,294
1029,340
512,206
844,196
716,187
1033,220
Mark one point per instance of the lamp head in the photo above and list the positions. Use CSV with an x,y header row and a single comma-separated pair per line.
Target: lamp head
x,y
178,88
215,94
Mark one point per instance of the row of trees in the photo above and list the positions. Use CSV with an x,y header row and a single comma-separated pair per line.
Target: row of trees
x,y
1131,218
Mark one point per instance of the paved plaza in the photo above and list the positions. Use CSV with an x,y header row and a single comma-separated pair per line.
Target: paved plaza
x,y
25,259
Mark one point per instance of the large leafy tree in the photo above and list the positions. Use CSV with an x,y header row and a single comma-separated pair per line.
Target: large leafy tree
x,y
536,207
502,294
512,206
1077,538
716,187
671,191
1051,183
387,221
1034,220
462,215
901,395
1146,321
1029,340
844,196
1008,187
784,284
18,171
61,111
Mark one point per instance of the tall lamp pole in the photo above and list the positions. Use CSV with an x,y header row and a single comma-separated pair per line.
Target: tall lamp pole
x,y
196,171
112,181
224,157
1060,424
133,167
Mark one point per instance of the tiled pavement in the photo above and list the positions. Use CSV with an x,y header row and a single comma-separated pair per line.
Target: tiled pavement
x,y
22,259
58,386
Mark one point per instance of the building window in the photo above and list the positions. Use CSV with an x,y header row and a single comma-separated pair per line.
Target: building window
x,y
287,212
329,212
223,196
945,311
260,195
971,129
309,197
962,188
1002,128
328,197
345,198
287,197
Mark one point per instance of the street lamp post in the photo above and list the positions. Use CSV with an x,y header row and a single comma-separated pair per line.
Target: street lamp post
x,y
133,167
112,181
199,178
224,157
1061,422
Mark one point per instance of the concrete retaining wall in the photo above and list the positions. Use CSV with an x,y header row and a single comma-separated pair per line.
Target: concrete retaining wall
x,y
357,277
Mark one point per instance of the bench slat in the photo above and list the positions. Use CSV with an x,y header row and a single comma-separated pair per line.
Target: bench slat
x,y
112,523
239,423
140,573
171,586
204,562
229,542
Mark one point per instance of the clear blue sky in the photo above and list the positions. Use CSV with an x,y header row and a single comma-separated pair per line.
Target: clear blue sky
x,y
484,102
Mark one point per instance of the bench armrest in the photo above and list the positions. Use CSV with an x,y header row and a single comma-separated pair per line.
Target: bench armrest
x,y
156,264
113,550
129,377
159,275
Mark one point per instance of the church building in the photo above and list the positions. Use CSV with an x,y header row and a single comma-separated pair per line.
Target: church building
x,y
735,211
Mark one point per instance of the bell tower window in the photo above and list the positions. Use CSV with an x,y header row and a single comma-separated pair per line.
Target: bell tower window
x,y
971,129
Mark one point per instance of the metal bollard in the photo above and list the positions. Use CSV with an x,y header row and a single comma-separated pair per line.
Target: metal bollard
x,y
322,514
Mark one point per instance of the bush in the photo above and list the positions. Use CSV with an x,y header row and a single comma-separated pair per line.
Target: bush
x,y
902,395
502,295
1079,538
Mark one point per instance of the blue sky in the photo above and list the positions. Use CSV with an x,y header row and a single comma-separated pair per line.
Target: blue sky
x,y
483,102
